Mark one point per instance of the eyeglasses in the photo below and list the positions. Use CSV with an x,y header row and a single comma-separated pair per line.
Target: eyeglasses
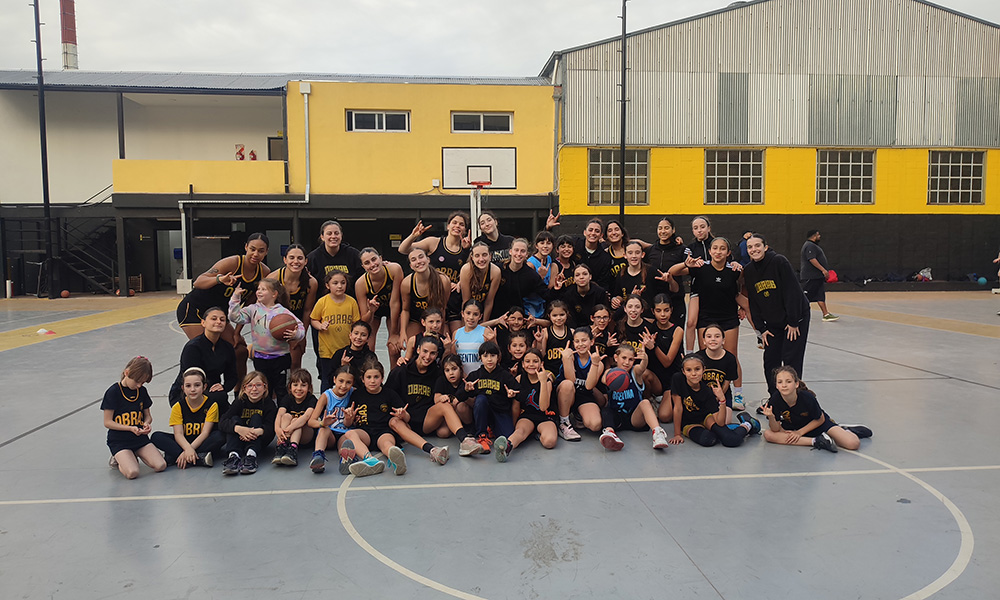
x,y
255,385
596,318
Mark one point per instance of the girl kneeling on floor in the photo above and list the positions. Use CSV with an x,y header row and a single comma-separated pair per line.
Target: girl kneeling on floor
x,y
795,418
700,410
126,415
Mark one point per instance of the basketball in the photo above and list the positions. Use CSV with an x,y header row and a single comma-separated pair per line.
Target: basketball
x,y
831,276
65,293
617,380
280,324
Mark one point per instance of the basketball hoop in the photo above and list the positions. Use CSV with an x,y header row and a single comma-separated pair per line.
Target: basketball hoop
x,y
475,204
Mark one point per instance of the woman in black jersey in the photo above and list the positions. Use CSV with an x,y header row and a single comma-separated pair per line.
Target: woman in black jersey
x,y
635,278
563,262
583,296
480,279
378,295
616,238
701,227
498,243
302,289
552,339
665,253
665,357
420,290
216,285
214,356
447,254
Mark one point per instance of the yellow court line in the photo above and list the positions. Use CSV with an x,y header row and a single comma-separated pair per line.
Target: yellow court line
x,y
936,323
26,336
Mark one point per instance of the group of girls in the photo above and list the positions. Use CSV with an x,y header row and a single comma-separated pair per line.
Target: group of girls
x,y
622,297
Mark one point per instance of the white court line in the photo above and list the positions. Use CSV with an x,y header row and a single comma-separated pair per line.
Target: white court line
x,y
964,549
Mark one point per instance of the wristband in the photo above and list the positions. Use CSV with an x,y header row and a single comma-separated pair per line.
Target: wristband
x,y
217,280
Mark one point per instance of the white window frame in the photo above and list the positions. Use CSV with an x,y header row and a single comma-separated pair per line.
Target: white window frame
x,y
380,120
602,185
740,182
845,176
964,182
482,115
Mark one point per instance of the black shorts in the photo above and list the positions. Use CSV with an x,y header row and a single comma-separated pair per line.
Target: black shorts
x,y
584,396
188,314
138,443
376,432
453,311
537,418
815,290
417,417
827,424
623,421
725,324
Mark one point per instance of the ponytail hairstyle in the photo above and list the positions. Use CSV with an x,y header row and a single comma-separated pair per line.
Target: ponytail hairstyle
x,y
478,279
139,370
692,356
278,289
623,323
304,274
800,385
259,236
437,295
643,270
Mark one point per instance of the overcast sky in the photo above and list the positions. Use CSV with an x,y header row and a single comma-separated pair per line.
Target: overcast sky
x,y
405,37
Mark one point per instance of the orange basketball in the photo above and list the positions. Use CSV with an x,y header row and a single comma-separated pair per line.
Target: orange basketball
x,y
65,294
280,324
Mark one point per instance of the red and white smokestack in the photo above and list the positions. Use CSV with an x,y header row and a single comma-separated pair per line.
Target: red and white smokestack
x,y
67,18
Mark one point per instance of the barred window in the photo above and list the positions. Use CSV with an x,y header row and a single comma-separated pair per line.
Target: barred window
x,y
734,177
955,178
845,176
604,177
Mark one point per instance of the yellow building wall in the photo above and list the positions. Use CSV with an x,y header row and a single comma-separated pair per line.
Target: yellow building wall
x,y
207,176
677,185
384,162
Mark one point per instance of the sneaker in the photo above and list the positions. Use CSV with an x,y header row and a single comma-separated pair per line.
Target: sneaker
x,y
830,317
249,465
232,465
113,462
610,440
205,459
659,438
738,402
318,462
291,457
345,464
397,460
469,446
745,417
439,454
763,403
484,444
824,442
859,430
366,467
347,450
567,433
279,454
501,449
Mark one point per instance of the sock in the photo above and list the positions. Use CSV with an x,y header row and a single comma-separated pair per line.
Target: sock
x,y
461,434
232,454
294,445
251,453
427,447
746,426
738,390
564,420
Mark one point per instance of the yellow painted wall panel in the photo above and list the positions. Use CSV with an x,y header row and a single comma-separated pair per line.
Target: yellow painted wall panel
x,y
207,176
369,162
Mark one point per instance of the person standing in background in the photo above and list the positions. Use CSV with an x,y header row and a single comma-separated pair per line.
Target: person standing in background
x,y
813,269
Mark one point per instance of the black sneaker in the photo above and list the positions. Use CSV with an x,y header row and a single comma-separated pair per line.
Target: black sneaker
x,y
744,417
204,459
291,456
279,454
232,465
825,442
249,466
859,430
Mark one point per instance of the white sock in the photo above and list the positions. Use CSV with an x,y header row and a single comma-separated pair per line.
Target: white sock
x,y
564,420
738,390
251,453
232,454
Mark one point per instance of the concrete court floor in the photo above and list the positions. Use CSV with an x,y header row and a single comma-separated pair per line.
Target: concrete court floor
x,y
913,514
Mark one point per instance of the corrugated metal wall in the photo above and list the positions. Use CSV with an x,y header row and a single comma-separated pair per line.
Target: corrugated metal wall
x,y
796,72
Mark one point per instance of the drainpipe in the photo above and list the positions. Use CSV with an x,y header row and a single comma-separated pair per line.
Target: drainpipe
x,y
305,88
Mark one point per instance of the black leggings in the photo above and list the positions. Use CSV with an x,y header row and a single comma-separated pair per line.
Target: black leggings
x,y
235,444
171,449
276,371
730,438
779,352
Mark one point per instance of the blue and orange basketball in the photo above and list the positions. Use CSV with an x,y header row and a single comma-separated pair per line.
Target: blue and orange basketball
x,y
617,380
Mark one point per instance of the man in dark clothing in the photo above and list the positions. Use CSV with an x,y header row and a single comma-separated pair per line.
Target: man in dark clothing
x,y
779,309
813,269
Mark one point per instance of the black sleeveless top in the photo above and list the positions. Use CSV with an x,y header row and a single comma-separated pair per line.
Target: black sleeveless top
x,y
297,301
218,295
418,303
553,350
448,262
384,293
484,291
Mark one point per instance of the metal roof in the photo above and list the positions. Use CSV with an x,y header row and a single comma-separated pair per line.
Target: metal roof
x,y
550,63
223,83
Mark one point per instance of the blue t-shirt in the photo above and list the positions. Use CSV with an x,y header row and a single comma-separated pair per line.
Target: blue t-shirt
x,y
467,345
335,406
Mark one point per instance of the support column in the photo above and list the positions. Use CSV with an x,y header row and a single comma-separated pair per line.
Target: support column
x,y
122,269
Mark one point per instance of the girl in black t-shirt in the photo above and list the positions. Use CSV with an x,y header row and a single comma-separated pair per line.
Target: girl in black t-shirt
x,y
700,411
795,418
127,418
721,366
534,399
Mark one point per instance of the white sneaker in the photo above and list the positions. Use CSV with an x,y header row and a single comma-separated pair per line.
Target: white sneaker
x,y
610,440
567,433
659,438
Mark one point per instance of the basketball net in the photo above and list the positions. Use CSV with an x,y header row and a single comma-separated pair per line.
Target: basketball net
x,y
476,204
